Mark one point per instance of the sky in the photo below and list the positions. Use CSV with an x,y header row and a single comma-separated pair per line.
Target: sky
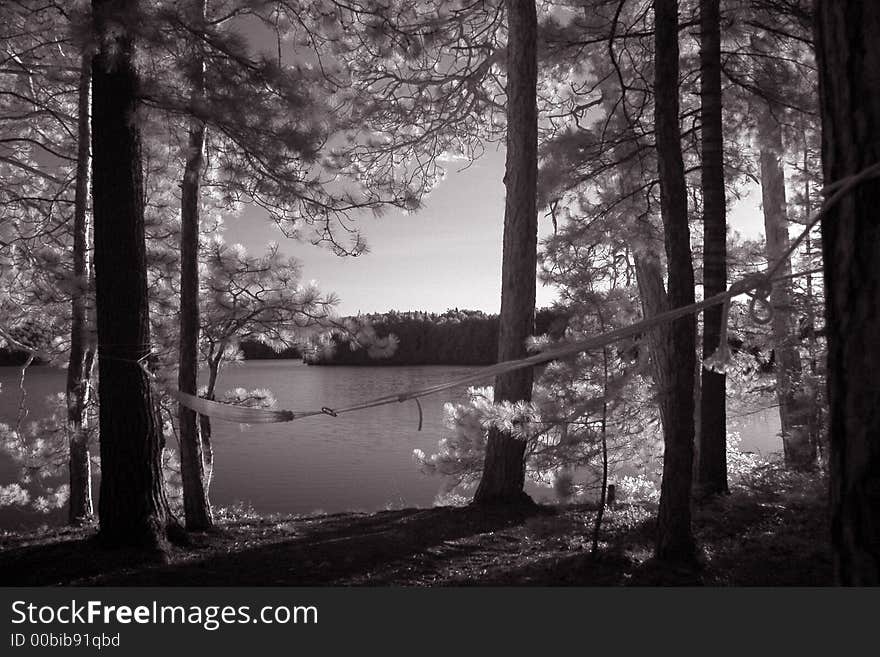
x,y
446,255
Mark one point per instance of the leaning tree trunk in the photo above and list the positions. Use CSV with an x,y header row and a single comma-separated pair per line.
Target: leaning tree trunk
x,y
504,468
794,413
848,57
652,294
80,364
197,508
132,507
205,430
674,539
711,469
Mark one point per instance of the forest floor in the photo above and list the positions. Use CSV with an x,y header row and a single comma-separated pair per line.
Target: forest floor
x,y
771,532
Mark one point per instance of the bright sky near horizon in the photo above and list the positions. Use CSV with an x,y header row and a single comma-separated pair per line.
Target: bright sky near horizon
x,y
446,255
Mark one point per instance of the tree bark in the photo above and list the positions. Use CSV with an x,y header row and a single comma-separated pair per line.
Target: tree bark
x,y
504,467
652,294
847,36
196,506
798,448
712,463
674,539
79,365
132,508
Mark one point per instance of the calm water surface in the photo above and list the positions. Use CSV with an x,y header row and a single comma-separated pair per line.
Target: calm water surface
x,y
358,461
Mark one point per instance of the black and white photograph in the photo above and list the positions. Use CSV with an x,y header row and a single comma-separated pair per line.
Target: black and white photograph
x,y
423,294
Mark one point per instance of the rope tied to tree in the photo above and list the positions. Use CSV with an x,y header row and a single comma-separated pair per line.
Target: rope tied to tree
x,y
757,286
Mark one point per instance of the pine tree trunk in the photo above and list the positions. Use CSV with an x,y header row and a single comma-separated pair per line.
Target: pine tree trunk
x,y
504,468
848,57
132,507
196,506
798,448
674,540
79,366
712,465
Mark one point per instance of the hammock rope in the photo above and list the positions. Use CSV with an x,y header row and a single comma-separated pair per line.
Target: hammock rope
x,y
233,413
758,285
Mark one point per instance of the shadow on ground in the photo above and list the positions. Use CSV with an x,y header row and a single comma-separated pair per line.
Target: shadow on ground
x,y
744,540
337,549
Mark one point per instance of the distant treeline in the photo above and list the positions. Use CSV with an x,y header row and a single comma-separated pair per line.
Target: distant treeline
x,y
456,337
260,351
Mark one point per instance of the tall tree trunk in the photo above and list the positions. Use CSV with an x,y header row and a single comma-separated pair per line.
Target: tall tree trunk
x,y
810,383
810,299
712,465
848,56
132,508
794,413
674,539
504,468
79,366
197,508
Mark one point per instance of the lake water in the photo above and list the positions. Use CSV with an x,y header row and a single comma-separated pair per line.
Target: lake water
x,y
357,461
